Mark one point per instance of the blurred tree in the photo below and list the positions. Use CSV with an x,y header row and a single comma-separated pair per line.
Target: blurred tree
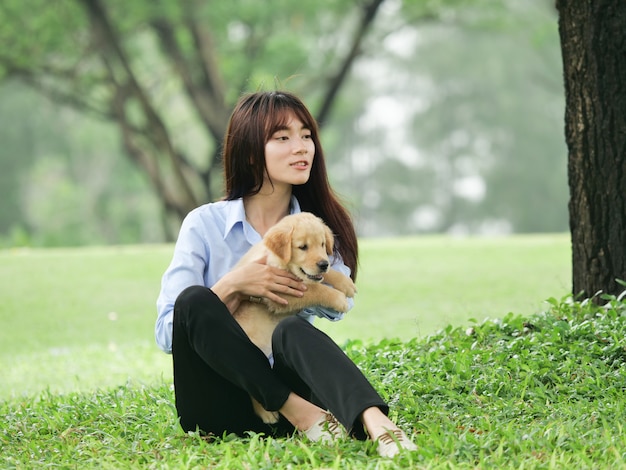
x,y
20,132
500,119
471,117
169,72
437,130
593,42
64,179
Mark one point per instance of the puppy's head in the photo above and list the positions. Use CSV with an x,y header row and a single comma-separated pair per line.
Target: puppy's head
x,y
300,243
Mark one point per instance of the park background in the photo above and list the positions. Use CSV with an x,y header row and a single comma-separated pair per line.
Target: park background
x,y
450,120
443,128
446,141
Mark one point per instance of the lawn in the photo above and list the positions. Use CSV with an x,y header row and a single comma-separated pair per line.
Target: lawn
x,y
75,319
543,391
484,358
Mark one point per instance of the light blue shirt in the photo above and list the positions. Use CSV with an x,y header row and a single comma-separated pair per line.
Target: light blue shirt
x,y
212,239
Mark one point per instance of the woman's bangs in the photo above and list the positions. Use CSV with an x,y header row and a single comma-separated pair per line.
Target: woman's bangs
x,y
277,119
280,115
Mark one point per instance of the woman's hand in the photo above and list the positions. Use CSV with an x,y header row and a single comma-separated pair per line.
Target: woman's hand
x,y
257,279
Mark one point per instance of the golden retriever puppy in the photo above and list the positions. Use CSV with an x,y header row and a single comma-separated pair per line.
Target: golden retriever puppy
x,y
301,244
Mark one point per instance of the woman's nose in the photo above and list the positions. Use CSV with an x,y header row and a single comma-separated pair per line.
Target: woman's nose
x,y
300,146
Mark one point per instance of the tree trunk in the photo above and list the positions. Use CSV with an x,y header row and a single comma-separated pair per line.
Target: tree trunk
x,y
593,44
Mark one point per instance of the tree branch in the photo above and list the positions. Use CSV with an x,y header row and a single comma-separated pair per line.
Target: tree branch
x,y
369,13
202,96
110,44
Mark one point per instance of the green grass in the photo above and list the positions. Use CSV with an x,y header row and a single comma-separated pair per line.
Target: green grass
x,y
84,386
412,287
73,319
542,391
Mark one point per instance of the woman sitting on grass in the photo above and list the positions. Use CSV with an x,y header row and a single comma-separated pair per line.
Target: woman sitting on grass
x,y
274,166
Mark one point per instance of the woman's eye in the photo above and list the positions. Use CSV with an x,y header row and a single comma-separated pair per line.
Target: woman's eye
x,y
307,136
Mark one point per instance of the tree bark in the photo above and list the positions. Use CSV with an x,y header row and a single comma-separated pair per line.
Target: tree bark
x,y
593,44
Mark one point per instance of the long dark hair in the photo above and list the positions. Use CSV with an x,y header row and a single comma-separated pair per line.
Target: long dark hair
x,y
255,118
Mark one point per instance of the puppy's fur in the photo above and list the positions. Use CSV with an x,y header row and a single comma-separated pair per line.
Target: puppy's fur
x,y
301,244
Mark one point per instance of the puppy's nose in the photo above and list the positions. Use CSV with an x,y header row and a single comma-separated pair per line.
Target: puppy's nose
x,y
323,265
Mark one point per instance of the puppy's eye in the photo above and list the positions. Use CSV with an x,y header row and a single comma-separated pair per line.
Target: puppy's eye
x,y
304,247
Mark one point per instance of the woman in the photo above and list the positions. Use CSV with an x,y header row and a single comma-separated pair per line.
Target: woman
x,y
274,166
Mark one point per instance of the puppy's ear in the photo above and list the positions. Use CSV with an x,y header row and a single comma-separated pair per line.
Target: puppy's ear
x,y
278,241
330,240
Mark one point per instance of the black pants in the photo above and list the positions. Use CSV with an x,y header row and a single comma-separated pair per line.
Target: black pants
x,y
217,368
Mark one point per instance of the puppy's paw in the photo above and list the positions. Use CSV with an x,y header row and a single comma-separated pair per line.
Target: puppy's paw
x,y
337,301
268,417
351,290
344,306
346,286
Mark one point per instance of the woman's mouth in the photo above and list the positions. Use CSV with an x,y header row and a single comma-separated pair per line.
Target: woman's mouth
x,y
300,164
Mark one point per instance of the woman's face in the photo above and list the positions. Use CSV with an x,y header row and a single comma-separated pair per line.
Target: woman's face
x,y
289,154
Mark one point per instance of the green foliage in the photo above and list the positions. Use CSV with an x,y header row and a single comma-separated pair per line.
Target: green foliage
x,y
65,187
529,390
32,31
470,128
538,391
476,87
27,131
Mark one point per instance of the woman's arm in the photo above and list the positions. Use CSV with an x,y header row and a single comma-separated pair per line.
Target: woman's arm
x,y
187,268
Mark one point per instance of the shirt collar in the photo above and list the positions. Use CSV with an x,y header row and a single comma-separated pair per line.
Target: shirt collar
x,y
236,213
